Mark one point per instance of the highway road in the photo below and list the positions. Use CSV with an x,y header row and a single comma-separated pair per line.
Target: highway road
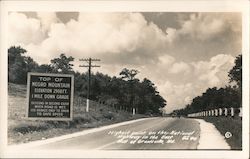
x,y
161,133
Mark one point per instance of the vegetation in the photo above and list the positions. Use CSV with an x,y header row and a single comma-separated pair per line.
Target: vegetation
x,y
21,130
229,125
123,92
213,98
19,65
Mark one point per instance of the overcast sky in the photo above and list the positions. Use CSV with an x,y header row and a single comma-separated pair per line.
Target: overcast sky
x,y
182,53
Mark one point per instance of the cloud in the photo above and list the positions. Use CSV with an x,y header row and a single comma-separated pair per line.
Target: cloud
x,y
23,30
166,60
183,61
114,37
203,27
215,71
211,73
180,67
172,34
46,19
178,95
204,35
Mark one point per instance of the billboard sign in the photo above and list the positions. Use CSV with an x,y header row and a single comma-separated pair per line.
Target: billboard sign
x,y
50,96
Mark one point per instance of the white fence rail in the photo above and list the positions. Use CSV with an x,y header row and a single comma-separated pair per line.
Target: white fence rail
x,y
218,112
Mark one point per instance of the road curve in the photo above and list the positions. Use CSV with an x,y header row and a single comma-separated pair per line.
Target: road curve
x,y
160,133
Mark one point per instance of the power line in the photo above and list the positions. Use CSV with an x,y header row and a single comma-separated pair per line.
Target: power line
x,y
89,65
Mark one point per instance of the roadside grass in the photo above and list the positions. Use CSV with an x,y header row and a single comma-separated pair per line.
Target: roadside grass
x,y
22,130
229,124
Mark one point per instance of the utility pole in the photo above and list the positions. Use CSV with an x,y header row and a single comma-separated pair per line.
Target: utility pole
x,y
89,65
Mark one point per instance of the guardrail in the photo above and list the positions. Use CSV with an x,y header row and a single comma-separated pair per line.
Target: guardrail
x,y
219,112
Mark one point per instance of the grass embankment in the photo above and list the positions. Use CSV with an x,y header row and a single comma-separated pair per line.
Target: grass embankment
x,y
229,124
21,130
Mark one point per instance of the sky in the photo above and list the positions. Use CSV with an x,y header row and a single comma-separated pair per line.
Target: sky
x,y
183,54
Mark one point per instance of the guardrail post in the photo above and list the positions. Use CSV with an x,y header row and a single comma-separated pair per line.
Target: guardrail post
x,y
232,111
240,113
216,112
225,111
220,111
212,112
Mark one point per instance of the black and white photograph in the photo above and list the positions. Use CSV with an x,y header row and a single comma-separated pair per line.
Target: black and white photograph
x,y
124,82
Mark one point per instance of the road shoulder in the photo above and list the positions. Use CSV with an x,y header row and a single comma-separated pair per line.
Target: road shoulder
x,y
64,137
210,137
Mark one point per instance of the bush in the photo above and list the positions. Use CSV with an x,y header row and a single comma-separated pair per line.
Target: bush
x,y
25,128
109,115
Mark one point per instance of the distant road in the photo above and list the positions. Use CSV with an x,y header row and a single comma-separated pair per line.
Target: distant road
x,y
149,134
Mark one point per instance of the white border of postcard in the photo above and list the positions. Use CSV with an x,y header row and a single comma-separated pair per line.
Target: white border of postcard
x,y
126,6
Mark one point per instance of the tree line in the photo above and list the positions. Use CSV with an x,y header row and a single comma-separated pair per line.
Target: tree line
x,y
212,98
124,92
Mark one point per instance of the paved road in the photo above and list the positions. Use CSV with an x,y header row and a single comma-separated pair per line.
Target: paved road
x,y
153,133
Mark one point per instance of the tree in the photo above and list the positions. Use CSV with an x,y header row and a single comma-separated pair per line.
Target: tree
x,y
62,64
19,65
80,82
31,65
16,64
14,52
122,93
44,68
235,74
128,74
213,98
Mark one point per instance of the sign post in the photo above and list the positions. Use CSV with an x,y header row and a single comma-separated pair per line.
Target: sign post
x,y
50,96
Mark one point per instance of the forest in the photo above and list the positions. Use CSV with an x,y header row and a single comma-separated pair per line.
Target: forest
x,y
124,91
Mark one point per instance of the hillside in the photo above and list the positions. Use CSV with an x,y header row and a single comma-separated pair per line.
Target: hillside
x,y
21,130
